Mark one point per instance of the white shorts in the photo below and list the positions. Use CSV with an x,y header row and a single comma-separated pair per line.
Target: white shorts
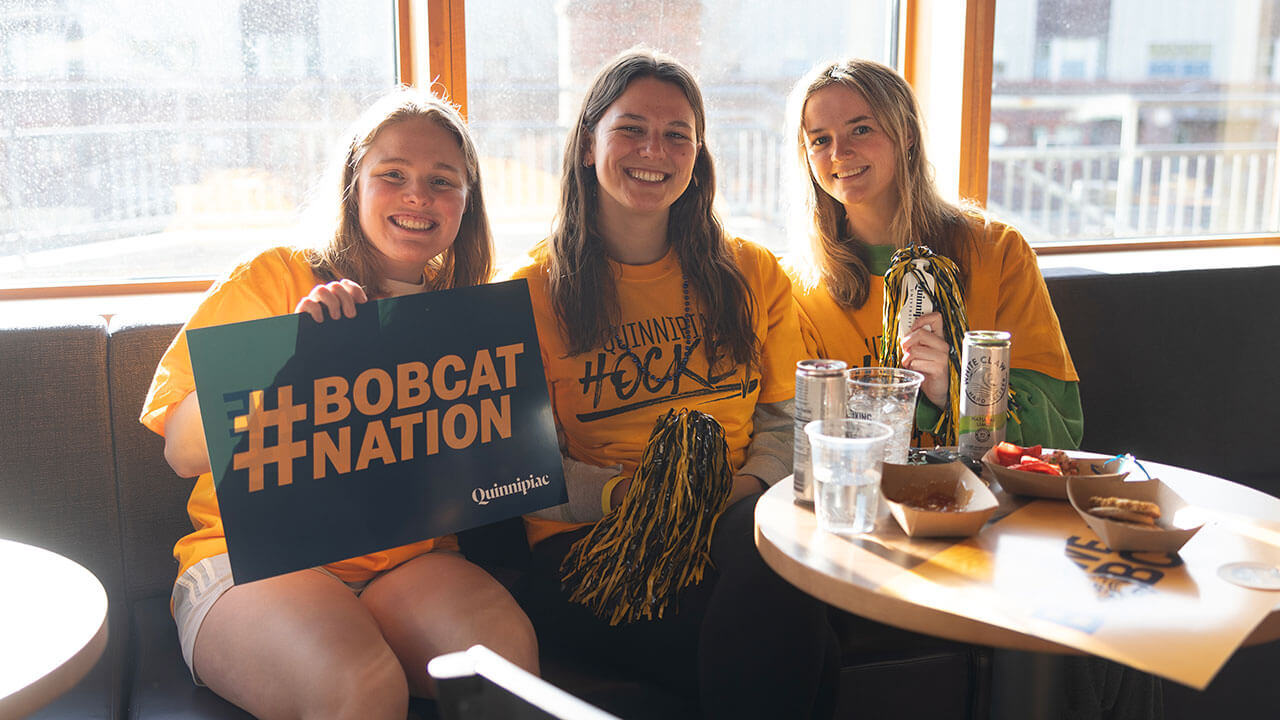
x,y
199,588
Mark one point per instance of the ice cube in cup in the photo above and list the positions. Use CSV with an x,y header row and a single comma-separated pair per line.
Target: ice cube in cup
x,y
886,395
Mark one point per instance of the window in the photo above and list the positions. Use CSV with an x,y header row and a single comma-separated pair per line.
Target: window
x,y
144,140
1135,119
529,62
152,140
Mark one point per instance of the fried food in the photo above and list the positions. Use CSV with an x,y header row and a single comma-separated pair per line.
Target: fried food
x,y
1143,507
1139,512
1065,463
1113,513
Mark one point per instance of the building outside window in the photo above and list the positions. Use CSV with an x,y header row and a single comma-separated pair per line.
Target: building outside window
x,y
1117,119
144,140
529,63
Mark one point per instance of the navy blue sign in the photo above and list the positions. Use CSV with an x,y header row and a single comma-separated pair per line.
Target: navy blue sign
x,y
422,416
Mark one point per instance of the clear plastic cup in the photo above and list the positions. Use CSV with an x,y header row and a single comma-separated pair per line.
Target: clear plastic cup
x,y
886,395
847,457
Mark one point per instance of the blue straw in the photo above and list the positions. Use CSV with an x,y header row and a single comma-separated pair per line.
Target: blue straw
x,y
1130,458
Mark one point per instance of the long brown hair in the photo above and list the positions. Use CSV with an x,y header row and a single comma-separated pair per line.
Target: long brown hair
x,y
923,217
581,281
350,254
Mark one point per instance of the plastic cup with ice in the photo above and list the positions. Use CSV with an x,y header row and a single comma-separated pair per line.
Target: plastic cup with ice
x,y
886,395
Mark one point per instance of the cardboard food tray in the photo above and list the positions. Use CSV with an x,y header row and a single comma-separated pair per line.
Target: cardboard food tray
x,y
1022,482
904,483
1166,536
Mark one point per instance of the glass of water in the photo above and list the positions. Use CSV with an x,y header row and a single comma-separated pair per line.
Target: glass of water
x,y
847,457
886,395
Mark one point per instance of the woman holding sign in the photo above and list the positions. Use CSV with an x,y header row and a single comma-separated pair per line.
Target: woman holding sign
x,y
869,191
351,638
644,305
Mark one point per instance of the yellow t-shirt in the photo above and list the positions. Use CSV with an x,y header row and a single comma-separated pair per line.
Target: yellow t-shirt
x,y
1005,291
608,399
268,285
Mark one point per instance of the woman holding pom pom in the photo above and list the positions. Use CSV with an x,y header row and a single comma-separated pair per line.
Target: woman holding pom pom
x,y
870,203
670,352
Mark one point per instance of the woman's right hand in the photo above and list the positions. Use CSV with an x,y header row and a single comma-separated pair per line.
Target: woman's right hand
x,y
925,350
339,297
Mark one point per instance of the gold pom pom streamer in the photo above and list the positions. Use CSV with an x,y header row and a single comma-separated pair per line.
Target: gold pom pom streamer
x,y
635,561
919,269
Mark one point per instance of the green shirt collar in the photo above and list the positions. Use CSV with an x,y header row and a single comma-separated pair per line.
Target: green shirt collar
x,y
879,255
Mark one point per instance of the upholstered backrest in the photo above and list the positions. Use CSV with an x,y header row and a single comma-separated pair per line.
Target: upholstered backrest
x,y
152,498
1178,367
57,488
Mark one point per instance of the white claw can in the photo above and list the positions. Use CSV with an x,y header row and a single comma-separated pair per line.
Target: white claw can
x,y
984,391
820,395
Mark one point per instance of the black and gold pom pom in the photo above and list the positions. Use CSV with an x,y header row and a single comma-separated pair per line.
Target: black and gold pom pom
x,y
947,298
635,561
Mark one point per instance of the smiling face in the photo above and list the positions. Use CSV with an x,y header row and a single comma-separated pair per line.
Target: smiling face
x,y
850,155
411,190
643,149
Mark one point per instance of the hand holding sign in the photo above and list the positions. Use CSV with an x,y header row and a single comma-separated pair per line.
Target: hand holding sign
x,y
339,298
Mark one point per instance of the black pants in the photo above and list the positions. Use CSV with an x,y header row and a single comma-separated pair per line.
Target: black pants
x,y
1035,686
742,643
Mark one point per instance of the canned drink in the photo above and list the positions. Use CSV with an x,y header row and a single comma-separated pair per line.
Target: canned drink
x,y
984,391
820,395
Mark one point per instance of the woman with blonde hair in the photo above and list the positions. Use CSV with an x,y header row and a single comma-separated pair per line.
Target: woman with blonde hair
x,y
869,193
351,638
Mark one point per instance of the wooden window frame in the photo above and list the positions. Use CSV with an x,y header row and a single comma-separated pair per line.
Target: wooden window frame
x,y
446,56
923,66
929,61
926,64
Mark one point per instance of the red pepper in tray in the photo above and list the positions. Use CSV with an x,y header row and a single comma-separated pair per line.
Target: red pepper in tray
x,y
1008,454
1035,464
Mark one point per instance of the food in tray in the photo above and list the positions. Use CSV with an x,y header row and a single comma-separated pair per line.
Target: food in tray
x,y
1033,458
1065,463
933,501
1043,473
937,499
1142,513
1009,454
1132,515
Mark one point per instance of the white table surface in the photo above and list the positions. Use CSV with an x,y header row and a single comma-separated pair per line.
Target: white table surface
x,y
53,626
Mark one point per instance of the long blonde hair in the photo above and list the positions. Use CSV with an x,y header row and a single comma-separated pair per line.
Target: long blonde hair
x,y
923,217
581,282
350,254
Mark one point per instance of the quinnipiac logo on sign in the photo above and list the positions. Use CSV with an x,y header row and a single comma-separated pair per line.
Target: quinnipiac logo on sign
x,y
521,486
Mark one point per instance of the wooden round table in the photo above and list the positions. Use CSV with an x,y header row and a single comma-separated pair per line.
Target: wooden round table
x,y
53,626
853,572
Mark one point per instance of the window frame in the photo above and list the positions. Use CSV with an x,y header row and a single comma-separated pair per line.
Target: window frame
x,y
931,56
